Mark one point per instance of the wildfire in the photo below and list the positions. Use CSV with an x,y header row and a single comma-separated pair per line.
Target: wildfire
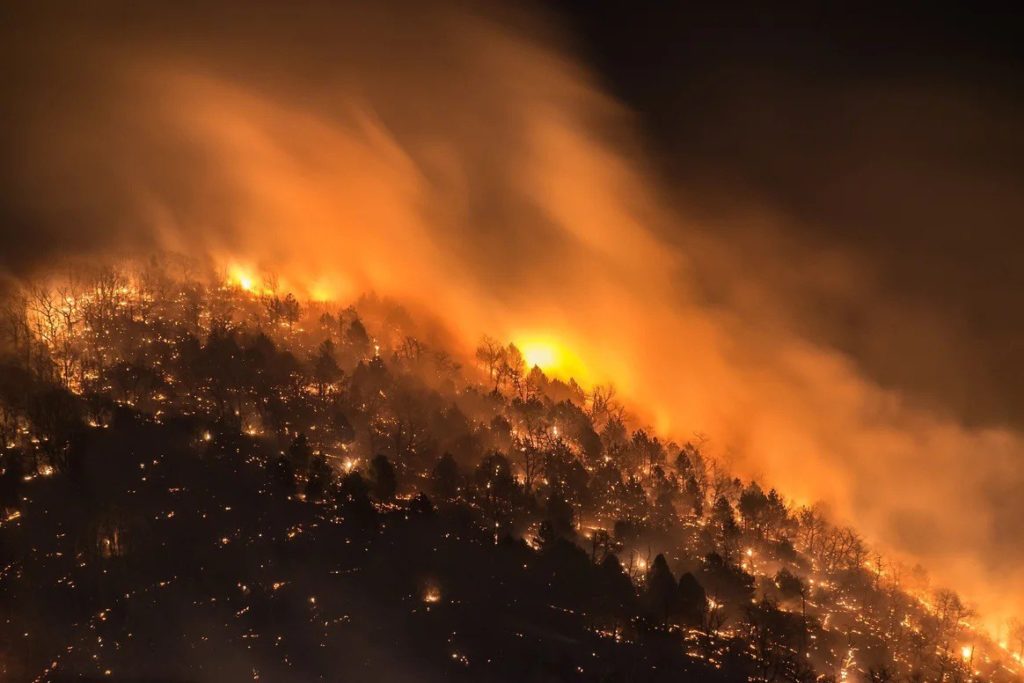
x,y
542,355
551,355
241,277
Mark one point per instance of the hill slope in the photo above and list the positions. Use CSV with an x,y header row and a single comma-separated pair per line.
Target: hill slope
x,y
200,482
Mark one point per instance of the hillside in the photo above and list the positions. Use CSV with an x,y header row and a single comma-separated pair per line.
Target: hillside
x,y
215,481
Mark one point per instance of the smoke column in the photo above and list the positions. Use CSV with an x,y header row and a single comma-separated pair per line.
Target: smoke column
x,y
458,159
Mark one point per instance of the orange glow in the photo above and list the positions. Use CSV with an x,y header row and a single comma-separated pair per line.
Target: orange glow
x,y
432,595
241,277
541,355
320,293
555,358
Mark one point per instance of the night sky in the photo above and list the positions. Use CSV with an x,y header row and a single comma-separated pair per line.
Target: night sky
x,y
890,131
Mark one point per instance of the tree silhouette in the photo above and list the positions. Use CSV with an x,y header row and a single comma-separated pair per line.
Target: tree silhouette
x,y
384,483
325,368
300,453
660,590
445,478
692,600
319,478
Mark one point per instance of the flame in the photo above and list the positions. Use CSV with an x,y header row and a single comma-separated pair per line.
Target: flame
x,y
540,355
432,594
555,357
241,277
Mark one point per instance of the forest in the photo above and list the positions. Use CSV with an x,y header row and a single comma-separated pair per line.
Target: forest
x,y
207,478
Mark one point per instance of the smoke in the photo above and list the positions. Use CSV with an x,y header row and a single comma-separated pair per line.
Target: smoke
x,y
453,157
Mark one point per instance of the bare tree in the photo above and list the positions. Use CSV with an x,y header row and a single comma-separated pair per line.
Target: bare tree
x,y
489,353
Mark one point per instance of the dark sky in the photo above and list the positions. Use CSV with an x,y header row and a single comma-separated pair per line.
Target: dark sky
x,y
892,132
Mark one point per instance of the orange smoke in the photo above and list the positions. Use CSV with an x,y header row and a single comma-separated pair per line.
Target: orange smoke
x,y
478,176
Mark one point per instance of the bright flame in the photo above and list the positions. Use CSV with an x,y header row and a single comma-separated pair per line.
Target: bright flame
x,y
240,276
551,355
543,356
320,293
966,651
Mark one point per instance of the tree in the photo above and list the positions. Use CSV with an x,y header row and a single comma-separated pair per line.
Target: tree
x,y
660,590
1017,636
354,498
692,601
614,438
532,458
601,545
647,451
284,473
560,514
357,338
616,596
445,478
489,353
319,478
325,368
382,477
603,406
328,323
494,481
950,613
513,368
421,505
773,635
789,584
290,310
726,530
725,581
11,481
752,506
663,513
343,429
765,515
299,453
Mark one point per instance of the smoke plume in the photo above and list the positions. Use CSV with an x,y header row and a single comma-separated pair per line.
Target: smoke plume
x,y
457,158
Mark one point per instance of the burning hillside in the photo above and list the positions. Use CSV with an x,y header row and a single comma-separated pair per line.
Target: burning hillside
x,y
509,341
216,480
